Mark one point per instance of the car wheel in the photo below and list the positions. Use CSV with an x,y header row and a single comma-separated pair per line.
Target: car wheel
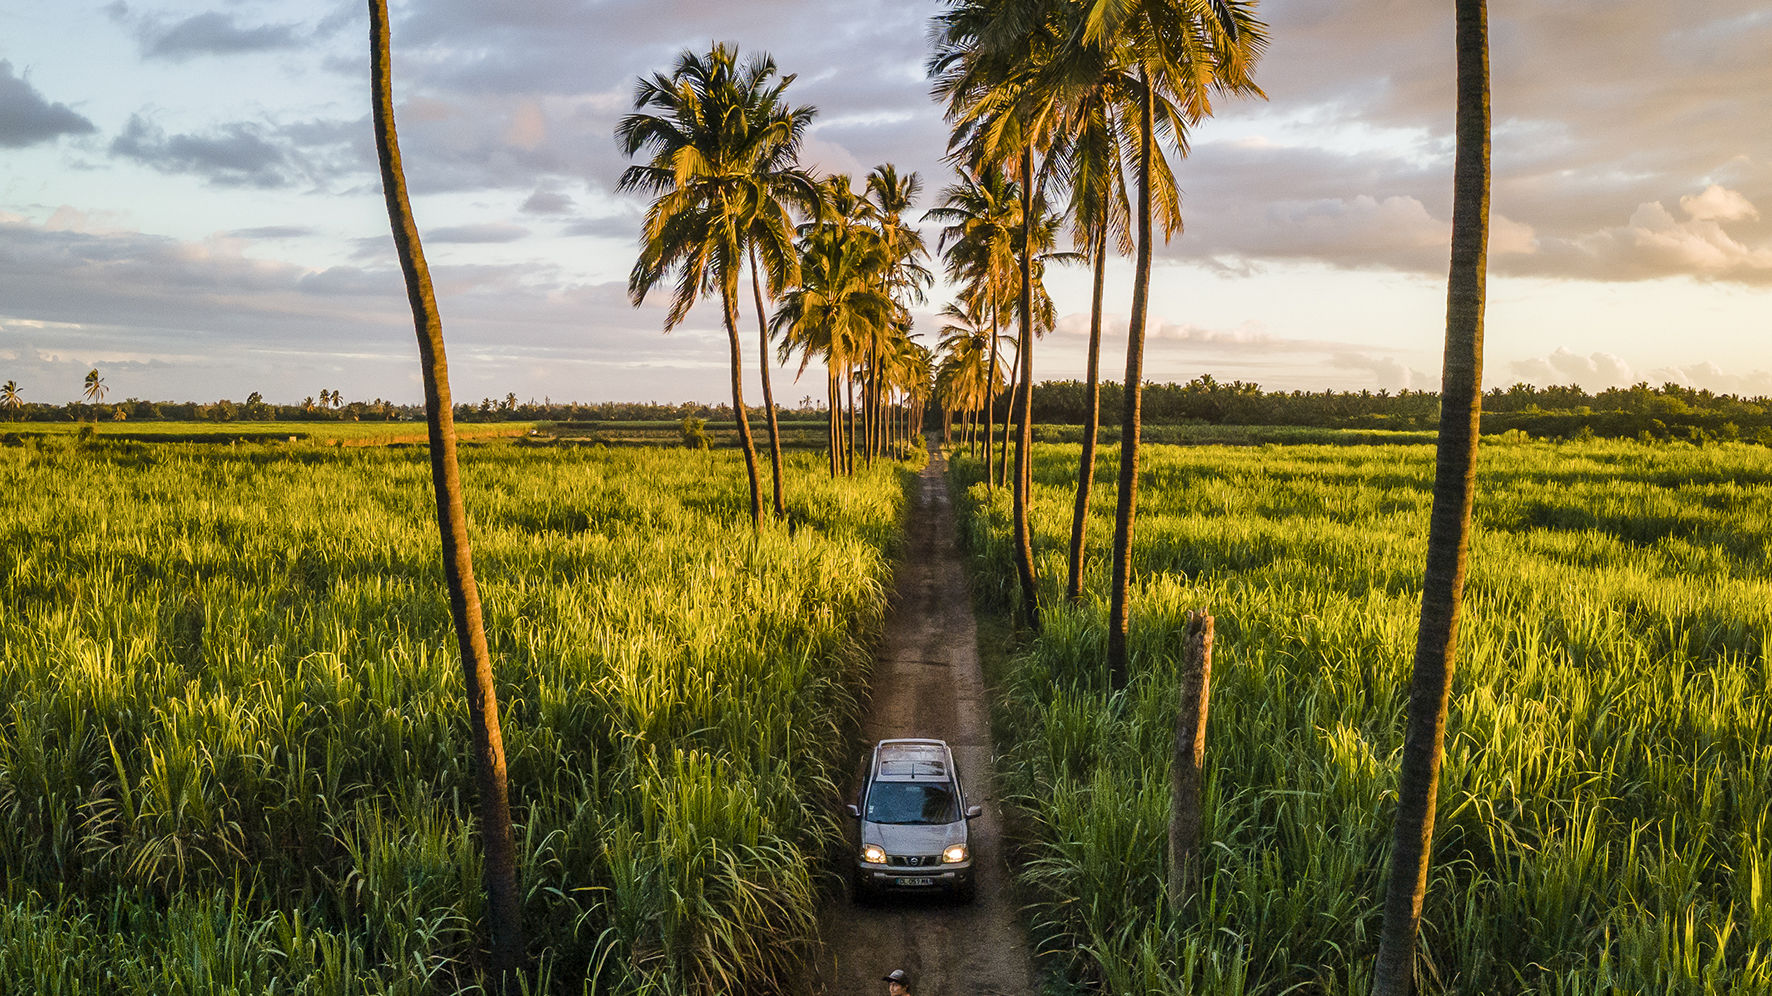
x,y
860,892
966,892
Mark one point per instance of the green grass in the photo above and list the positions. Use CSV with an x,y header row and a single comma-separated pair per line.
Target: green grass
x,y
233,745
1605,817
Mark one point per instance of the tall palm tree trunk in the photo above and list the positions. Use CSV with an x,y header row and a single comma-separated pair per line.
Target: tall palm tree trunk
x,y
781,508
990,398
504,913
1009,416
729,302
1132,391
1073,586
869,411
833,417
1024,431
1448,540
849,450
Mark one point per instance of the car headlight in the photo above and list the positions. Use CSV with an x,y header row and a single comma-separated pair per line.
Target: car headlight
x,y
873,854
954,854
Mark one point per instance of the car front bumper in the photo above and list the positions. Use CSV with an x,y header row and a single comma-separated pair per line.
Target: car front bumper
x,y
922,879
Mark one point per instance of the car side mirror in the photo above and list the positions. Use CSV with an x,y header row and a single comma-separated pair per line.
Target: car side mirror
x,y
974,812
854,810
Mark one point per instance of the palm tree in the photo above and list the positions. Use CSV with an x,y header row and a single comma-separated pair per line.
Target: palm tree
x,y
969,352
95,387
779,189
889,196
1178,53
705,152
980,213
838,302
10,398
504,914
1442,589
1098,96
990,55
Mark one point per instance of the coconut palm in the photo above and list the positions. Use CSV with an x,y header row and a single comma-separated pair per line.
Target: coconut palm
x,y
95,387
705,150
1179,53
969,351
888,196
1448,538
838,302
980,214
987,66
1099,95
9,397
504,915
778,191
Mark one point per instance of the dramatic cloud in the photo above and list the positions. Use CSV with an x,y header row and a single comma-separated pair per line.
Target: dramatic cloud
x,y
26,118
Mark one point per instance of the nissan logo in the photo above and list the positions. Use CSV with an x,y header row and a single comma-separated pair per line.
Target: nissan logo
x,y
916,861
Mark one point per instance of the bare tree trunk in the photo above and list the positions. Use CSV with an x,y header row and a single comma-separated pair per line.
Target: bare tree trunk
x,y
504,912
1073,586
781,508
1024,432
1132,391
1187,765
1448,540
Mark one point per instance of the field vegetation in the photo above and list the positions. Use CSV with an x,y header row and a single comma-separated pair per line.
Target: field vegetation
x,y
1605,820
233,747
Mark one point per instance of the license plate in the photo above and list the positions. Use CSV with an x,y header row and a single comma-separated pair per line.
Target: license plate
x,y
916,881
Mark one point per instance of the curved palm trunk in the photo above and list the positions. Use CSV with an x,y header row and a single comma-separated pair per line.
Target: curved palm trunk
x,y
781,509
504,914
1024,430
1073,586
1448,538
1132,394
729,304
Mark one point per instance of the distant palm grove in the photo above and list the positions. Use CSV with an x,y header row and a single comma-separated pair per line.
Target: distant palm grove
x,y
268,726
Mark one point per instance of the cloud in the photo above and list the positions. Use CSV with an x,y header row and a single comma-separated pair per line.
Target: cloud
x,y
1715,203
1594,372
1654,243
481,233
251,154
26,118
212,33
547,202
235,155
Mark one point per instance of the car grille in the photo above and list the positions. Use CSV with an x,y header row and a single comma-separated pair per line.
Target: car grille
x,y
914,860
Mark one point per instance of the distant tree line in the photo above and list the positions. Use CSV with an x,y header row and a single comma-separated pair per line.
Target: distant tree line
x,y
256,409
1670,411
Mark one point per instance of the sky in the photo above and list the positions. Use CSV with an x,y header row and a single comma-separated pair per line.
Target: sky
x,y
189,199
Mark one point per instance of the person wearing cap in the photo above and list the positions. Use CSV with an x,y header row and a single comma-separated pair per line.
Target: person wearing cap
x,y
897,983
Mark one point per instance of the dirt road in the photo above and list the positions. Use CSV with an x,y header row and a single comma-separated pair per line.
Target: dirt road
x,y
927,682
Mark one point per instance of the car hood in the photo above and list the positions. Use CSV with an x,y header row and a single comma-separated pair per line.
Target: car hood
x,y
914,838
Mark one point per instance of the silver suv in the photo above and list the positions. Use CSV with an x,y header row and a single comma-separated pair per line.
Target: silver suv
x,y
913,822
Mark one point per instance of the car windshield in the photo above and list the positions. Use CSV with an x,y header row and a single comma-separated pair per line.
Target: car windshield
x,y
912,802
